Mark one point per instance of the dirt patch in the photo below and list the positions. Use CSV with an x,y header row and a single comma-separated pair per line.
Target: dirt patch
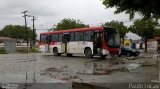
x,y
150,65
107,71
76,85
62,73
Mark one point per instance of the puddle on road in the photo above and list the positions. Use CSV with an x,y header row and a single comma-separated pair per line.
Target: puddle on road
x,y
132,66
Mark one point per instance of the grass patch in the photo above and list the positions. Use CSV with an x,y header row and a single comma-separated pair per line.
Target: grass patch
x,y
34,50
24,50
3,51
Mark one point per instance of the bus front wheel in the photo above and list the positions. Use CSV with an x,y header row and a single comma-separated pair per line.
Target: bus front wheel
x,y
88,53
55,52
103,56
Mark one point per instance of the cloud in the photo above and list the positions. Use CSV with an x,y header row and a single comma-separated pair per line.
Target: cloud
x,y
11,10
50,12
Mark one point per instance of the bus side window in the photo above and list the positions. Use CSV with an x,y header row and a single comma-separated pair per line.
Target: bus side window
x,y
60,37
76,36
63,39
68,37
42,38
88,35
80,36
50,38
72,36
55,37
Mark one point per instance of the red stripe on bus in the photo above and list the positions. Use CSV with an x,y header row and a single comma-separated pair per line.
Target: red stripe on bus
x,y
41,43
52,43
73,30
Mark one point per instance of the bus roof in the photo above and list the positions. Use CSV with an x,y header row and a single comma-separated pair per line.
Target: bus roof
x,y
74,30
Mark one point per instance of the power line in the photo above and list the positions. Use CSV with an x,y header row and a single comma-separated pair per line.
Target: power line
x,y
42,29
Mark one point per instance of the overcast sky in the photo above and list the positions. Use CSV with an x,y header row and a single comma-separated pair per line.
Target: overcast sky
x,y
50,12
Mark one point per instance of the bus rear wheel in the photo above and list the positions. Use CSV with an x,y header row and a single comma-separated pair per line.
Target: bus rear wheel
x,y
55,52
88,53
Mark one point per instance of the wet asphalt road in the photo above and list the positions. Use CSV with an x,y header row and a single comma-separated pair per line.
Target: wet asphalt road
x,y
29,68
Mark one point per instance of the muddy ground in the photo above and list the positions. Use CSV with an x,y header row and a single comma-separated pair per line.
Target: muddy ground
x,y
43,68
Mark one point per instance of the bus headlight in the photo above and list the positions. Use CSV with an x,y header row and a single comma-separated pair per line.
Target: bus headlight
x,y
105,52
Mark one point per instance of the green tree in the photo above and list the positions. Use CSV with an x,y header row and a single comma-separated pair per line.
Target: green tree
x,y
2,34
69,24
17,31
157,32
147,8
145,28
119,26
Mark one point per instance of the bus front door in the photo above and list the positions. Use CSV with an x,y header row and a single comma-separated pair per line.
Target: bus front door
x,y
97,42
48,40
65,39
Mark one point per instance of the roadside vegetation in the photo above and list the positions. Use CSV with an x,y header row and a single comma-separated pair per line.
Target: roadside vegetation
x,y
34,50
147,27
24,50
68,23
3,51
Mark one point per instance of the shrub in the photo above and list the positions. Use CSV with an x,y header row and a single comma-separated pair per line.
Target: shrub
x,y
3,51
24,50
34,50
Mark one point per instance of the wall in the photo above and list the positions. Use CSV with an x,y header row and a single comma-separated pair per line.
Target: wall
x,y
152,45
10,45
127,42
138,46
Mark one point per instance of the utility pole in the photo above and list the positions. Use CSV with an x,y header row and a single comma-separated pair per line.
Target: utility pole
x,y
33,32
34,39
26,30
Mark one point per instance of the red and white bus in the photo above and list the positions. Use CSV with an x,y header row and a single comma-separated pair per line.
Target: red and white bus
x,y
90,41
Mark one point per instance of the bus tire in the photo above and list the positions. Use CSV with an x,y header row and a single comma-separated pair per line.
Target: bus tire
x,y
128,55
103,56
88,53
119,55
55,52
69,54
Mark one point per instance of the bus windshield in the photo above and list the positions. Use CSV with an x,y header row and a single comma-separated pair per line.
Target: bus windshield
x,y
43,38
112,37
